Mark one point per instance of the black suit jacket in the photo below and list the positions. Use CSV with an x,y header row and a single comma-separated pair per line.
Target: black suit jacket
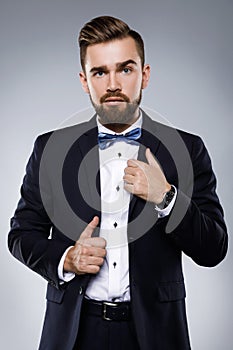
x,y
49,219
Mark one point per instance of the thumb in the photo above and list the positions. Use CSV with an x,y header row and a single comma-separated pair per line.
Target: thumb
x,y
88,231
150,158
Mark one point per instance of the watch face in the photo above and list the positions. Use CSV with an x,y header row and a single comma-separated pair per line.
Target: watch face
x,y
167,199
169,195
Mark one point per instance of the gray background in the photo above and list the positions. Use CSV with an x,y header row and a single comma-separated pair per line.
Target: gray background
x,y
189,46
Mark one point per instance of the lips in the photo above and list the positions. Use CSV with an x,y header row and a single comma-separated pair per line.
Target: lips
x,y
114,99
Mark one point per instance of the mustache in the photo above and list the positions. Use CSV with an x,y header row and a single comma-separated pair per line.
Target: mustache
x,y
114,94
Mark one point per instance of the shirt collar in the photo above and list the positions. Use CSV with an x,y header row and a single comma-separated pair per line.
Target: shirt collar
x,y
137,124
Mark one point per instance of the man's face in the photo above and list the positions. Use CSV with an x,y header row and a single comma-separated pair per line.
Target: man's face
x,y
114,79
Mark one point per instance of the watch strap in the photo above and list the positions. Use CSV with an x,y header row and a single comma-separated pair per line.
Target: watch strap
x,y
167,198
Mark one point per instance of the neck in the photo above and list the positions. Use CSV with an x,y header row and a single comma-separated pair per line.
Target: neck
x,y
120,127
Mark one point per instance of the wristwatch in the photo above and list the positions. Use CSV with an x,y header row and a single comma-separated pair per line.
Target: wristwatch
x,y
167,198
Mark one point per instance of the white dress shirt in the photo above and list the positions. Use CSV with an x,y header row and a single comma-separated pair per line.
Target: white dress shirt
x,y
112,281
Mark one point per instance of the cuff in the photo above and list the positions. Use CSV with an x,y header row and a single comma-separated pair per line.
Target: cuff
x,y
166,211
64,276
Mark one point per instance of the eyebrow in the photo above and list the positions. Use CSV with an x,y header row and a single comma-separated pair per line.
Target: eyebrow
x,y
118,65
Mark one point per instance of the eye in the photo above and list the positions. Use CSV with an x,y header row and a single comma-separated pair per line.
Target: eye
x,y
99,74
126,70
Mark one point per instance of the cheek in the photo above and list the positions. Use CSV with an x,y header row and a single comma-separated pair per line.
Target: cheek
x,y
96,89
134,87
94,93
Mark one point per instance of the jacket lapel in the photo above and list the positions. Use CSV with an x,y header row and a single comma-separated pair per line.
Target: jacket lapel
x,y
88,145
89,171
150,140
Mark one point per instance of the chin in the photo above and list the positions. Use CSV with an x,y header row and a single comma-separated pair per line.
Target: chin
x,y
116,114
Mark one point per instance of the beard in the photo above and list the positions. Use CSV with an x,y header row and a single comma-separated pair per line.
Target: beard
x,y
123,113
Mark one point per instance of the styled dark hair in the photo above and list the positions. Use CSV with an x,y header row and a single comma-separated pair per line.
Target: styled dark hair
x,y
103,29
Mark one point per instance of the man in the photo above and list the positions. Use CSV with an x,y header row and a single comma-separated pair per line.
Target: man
x,y
108,206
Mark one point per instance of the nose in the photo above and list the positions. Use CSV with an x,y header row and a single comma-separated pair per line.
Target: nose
x,y
113,83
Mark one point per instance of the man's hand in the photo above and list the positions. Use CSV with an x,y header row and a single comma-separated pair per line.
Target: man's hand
x,y
87,256
146,181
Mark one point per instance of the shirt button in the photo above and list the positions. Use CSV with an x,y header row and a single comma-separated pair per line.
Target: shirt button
x,y
80,290
115,224
118,188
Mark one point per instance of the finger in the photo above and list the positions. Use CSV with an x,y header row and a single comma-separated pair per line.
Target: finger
x,y
83,249
83,269
151,159
87,233
91,260
132,163
141,168
129,179
136,164
130,171
129,188
98,242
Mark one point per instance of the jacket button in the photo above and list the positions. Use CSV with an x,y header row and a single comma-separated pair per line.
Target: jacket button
x,y
80,290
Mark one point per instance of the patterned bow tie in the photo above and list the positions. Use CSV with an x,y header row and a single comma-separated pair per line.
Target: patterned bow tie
x,y
107,140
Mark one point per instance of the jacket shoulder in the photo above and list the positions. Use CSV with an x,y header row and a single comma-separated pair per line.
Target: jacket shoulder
x,y
171,135
77,130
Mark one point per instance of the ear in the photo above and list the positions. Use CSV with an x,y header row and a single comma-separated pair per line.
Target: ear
x,y
145,75
83,81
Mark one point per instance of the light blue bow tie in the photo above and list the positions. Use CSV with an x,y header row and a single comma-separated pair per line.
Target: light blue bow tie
x,y
107,140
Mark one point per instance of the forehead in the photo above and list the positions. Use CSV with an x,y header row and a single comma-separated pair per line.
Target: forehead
x,y
112,52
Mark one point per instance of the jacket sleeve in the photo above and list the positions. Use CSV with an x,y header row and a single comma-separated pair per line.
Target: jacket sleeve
x,y
31,236
202,233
